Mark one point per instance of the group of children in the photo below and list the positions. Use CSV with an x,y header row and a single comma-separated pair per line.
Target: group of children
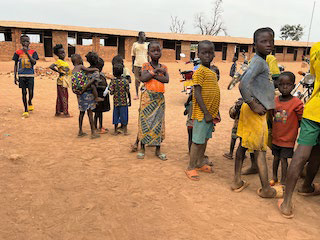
x,y
251,113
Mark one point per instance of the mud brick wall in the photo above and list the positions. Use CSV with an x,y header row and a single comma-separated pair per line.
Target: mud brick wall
x,y
128,46
60,37
185,48
7,50
107,53
230,51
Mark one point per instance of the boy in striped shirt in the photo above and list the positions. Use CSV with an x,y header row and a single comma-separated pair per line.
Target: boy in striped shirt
x,y
206,95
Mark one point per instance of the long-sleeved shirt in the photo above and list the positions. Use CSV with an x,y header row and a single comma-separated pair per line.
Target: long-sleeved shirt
x,y
256,83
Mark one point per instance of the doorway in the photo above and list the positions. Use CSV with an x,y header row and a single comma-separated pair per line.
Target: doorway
x,y
295,54
121,47
48,47
224,52
178,50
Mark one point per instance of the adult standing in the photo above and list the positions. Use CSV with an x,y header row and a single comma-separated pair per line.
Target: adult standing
x,y
139,53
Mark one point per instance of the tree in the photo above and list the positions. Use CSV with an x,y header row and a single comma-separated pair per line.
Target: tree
x,y
293,32
214,25
177,25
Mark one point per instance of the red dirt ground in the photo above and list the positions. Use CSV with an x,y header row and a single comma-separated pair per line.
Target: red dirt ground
x,y
56,186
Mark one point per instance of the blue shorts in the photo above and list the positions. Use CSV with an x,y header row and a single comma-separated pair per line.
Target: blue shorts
x,y
201,131
120,115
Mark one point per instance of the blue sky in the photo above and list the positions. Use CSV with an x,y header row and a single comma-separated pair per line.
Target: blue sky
x,y
241,17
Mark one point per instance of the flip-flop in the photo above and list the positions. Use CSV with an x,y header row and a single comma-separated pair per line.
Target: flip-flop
x,y
192,174
103,131
30,107
25,115
240,189
280,201
279,192
205,168
227,156
316,191
140,155
162,156
134,147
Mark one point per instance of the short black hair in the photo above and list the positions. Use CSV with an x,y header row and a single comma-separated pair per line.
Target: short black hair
x,y
75,57
117,59
288,74
153,43
140,33
100,64
205,42
56,48
24,36
92,58
117,70
262,30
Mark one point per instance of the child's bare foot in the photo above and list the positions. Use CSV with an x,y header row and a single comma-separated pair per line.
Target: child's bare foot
x,y
239,186
66,115
99,99
82,134
103,131
57,115
206,161
267,193
228,156
94,135
134,147
250,170
284,210
116,133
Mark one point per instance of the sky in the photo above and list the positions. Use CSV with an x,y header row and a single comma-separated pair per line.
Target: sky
x,y
241,17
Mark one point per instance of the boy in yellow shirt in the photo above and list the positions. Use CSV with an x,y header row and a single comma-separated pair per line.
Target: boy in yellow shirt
x,y
206,95
308,148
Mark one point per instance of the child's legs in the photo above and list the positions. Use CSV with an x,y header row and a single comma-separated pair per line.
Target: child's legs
x,y
30,89
96,116
94,91
137,78
124,115
81,115
90,116
194,155
240,154
232,145
100,119
24,99
284,169
275,167
189,138
201,159
312,169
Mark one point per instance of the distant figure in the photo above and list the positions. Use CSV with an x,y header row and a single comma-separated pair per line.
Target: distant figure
x,y
139,53
233,68
119,60
24,60
61,67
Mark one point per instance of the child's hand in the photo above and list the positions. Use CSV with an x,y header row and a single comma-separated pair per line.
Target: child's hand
x,y
25,49
16,80
208,118
185,112
129,104
257,108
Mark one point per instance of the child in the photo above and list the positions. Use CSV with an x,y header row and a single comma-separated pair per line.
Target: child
x,y
152,104
79,78
257,91
206,101
119,60
25,59
119,88
103,106
189,123
233,68
61,67
308,148
287,116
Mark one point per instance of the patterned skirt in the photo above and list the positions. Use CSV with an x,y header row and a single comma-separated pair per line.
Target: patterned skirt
x,y
151,122
86,101
62,100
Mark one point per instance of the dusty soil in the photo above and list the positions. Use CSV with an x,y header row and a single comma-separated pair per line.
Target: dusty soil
x,y
56,186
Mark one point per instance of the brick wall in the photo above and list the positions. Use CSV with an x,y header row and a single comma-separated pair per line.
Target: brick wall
x,y
128,45
218,56
230,51
185,48
60,37
107,53
39,48
7,50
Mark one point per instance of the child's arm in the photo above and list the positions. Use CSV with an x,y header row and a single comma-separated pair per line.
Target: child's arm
x,y
129,95
83,68
15,72
164,78
54,67
32,60
245,85
198,96
299,111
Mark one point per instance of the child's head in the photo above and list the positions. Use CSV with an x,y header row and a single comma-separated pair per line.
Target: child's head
x,y
59,51
76,59
263,39
117,60
100,64
25,40
206,52
117,70
286,83
142,36
234,59
154,50
92,58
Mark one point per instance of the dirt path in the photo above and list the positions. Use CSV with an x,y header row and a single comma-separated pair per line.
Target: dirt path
x,y
54,185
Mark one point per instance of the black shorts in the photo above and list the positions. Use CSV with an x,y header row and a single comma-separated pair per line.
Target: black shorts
x,y
282,152
26,82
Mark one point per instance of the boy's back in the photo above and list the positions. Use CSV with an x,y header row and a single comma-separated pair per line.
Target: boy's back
x,y
119,88
210,92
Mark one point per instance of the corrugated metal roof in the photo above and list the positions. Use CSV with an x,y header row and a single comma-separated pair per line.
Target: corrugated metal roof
x,y
130,33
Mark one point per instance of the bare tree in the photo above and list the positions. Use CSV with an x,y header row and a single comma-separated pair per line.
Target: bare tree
x,y
294,32
177,25
214,25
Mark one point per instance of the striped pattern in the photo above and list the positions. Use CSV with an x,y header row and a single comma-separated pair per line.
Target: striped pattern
x,y
208,81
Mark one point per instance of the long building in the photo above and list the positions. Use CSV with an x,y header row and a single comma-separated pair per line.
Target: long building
x,y
108,42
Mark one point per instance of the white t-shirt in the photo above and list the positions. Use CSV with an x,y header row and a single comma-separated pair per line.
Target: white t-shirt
x,y
140,51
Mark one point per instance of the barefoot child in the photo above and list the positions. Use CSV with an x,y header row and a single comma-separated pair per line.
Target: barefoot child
x,y
308,148
119,88
206,101
80,79
61,67
257,91
151,125
24,60
103,106
286,119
